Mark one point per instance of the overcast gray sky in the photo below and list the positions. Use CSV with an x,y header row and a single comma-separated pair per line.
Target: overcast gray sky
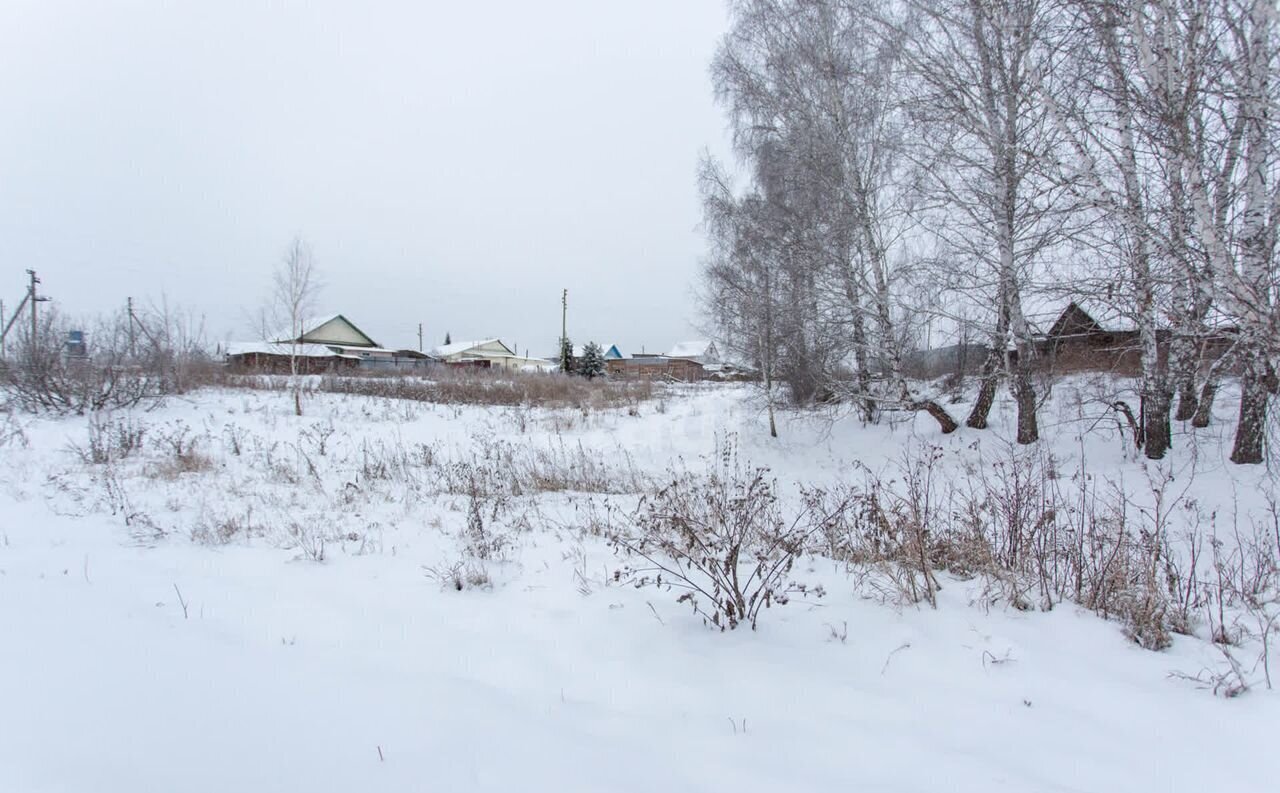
x,y
451,163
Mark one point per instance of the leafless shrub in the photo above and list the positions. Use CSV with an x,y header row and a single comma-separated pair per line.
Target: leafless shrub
x,y
599,518
721,540
318,435
480,537
39,376
374,462
1146,621
276,467
1186,593
1229,680
581,578
11,432
220,529
1036,537
306,464
235,438
459,576
110,439
175,438
117,497
1049,538
1241,594
891,529
79,387
308,539
120,503
180,444
1265,618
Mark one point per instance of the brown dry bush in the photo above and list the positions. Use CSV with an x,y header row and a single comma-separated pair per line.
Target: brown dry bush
x,y
459,576
1036,539
11,432
38,375
181,453
721,540
52,384
110,439
220,529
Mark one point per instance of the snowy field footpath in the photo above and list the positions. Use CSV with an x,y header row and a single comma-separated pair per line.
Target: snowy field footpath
x,y
217,595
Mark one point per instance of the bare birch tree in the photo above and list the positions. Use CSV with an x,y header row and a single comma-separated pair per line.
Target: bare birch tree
x,y
1108,163
1171,54
1193,82
1249,288
295,287
739,277
980,68
811,91
1128,144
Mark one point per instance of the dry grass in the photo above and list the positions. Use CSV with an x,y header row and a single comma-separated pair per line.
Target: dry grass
x,y
172,468
1036,538
11,432
471,387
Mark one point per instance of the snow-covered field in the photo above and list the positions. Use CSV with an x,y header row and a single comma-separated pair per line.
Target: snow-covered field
x,y
251,601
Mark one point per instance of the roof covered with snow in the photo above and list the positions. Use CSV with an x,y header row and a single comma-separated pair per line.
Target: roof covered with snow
x,y
463,347
285,348
343,332
693,349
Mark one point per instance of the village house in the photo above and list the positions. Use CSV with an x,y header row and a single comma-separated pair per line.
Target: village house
x,y
655,367
1083,338
610,352
327,343
703,352
487,354
1085,335
1091,335
687,361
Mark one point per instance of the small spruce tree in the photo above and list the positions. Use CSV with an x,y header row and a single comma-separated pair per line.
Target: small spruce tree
x,y
448,339
566,356
592,361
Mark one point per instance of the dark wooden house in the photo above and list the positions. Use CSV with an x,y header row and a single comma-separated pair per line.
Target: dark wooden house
x,y
655,367
1096,337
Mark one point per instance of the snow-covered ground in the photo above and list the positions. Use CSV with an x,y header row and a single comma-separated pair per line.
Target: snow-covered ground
x,y
258,615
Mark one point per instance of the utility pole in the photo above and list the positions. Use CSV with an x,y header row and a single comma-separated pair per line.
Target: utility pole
x,y
17,312
136,324
29,298
35,326
133,351
566,352
419,337
32,298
